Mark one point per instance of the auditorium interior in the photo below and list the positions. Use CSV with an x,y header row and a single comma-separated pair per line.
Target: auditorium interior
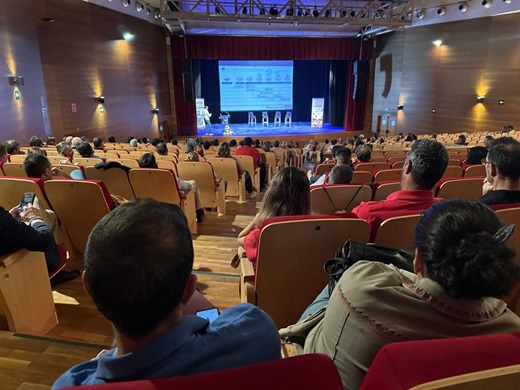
x,y
139,68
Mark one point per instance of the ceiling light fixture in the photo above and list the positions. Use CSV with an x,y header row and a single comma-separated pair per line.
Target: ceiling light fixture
x,y
421,14
487,3
463,7
501,102
437,42
126,3
139,7
441,11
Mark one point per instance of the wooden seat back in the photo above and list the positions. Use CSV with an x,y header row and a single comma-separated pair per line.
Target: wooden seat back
x,y
14,169
115,179
68,169
452,171
79,205
388,174
362,177
127,162
475,170
344,198
211,195
55,160
323,169
289,277
465,188
385,189
248,164
371,167
25,293
226,168
87,162
398,232
168,164
12,189
17,158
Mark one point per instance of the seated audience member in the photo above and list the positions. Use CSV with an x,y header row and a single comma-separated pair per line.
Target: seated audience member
x,y
162,149
175,142
215,142
424,166
206,145
65,150
68,139
39,167
36,141
98,144
342,156
27,229
461,140
190,145
112,139
502,184
147,160
200,150
249,150
433,136
233,143
340,174
12,147
75,142
488,141
363,154
224,151
462,267
51,141
133,143
288,194
475,155
85,150
145,140
152,243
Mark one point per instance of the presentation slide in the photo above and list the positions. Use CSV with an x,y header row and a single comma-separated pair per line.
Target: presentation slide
x,y
256,85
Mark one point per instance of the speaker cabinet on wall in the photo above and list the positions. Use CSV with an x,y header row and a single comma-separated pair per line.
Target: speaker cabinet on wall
x,y
187,81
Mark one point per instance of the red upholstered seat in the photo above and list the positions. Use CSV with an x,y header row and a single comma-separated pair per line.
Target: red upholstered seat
x,y
446,179
406,364
379,183
312,371
504,206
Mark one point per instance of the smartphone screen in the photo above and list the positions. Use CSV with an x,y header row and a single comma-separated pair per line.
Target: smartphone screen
x,y
208,314
28,197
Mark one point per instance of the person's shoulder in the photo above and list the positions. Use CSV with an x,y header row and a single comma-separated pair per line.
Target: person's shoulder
x,y
365,208
243,313
81,374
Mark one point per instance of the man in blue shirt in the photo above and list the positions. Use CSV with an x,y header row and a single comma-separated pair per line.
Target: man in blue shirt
x,y
138,264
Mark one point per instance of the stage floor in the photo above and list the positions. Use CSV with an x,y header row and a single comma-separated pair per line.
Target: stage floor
x,y
244,130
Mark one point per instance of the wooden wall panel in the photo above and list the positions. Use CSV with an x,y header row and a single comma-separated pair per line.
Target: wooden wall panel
x,y
478,57
78,57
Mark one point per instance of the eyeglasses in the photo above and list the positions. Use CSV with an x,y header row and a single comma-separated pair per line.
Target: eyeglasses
x,y
485,161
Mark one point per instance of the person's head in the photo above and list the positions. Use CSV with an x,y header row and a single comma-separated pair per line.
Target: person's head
x,y
75,142
424,165
12,147
37,166
433,136
206,145
111,139
257,143
192,156
162,149
266,146
248,141
133,143
476,154
147,160
276,144
84,149
341,174
461,246
224,150
144,140
503,159
138,263
98,143
155,141
215,142
363,153
3,154
65,149
488,141
51,141
342,155
200,150
233,143
288,194
35,150
190,145
175,142
35,141
461,140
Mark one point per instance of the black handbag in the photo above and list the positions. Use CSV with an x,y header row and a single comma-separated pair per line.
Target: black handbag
x,y
352,251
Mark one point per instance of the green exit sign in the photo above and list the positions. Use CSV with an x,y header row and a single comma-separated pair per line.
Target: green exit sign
x,y
17,94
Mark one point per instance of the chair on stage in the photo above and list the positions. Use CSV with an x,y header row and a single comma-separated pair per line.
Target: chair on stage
x,y
278,118
265,119
251,118
288,118
224,118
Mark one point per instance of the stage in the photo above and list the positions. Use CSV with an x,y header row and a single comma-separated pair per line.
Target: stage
x,y
241,130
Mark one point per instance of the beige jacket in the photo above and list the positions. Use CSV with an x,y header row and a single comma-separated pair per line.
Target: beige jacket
x,y
376,304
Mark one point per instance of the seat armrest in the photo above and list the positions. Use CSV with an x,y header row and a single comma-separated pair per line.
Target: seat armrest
x,y
247,273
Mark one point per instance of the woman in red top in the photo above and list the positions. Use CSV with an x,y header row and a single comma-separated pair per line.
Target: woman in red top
x,y
288,194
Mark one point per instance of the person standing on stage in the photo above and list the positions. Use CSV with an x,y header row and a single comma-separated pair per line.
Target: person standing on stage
x,y
207,115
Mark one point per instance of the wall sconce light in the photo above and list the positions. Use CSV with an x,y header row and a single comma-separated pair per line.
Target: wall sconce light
x,y
480,99
101,99
501,102
437,43
155,111
16,81
434,110
400,106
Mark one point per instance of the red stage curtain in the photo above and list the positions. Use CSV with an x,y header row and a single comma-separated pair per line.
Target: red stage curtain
x,y
354,109
262,48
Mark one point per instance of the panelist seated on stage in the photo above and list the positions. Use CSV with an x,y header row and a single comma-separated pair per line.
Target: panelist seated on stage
x,y
150,242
